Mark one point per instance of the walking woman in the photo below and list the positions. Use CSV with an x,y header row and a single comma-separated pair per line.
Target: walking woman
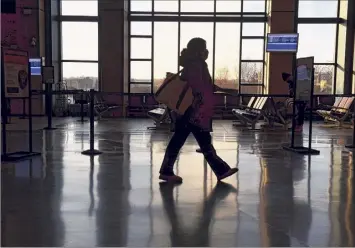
x,y
197,119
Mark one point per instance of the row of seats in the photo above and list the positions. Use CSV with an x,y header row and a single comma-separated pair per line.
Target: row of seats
x,y
280,113
271,112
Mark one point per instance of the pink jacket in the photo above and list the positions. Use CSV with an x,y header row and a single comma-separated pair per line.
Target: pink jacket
x,y
198,77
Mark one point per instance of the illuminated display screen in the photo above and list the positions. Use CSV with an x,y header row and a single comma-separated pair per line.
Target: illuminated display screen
x,y
36,66
282,43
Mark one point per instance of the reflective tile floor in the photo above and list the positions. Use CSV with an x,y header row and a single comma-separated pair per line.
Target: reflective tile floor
x,y
278,198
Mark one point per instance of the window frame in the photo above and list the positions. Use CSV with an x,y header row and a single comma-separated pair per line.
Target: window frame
x,y
325,20
73,18
182,17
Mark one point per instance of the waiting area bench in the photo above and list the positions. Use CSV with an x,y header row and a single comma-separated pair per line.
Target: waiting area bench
x,y
339,112
161,116
101,106
252,113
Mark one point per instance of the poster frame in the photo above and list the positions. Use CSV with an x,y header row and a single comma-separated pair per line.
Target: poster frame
x,y
18,155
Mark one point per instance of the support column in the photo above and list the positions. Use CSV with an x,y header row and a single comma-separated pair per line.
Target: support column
x,y
341,48
353,78
113,40
349,43
281,20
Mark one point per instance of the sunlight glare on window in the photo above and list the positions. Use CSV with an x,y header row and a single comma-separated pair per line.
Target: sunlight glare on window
x,y
317,40
252,49
254,6
204,30
165,53
318,8
227,55
228,6
197,6
79,8
80,40
141,5
166,6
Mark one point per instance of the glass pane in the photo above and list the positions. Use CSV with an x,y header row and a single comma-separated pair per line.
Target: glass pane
x,y
343,9
140,88
79,41
254,6
166,6
80,75
141,48
253,29
341,45
165,53
141,71
318,8
197,6
141,5
323,79
251,89
204,30
251,73
252,49
310,36
79,8
141,28
227,55
339,81
228,6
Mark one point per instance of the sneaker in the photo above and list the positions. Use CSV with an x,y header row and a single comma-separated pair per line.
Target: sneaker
x,y
171,179
228,174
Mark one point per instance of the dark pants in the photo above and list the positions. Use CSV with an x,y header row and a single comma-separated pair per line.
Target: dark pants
x,y
301,106
182,130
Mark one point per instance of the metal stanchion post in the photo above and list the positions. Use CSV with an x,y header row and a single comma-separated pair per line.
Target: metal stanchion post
x,y
92,151
49,105
82,108
352,146
23,109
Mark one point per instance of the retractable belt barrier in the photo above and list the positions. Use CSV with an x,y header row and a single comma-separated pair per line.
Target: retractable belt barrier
x,y
92,94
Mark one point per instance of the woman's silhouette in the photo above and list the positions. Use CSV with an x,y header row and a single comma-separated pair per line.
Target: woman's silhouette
x,y
197,119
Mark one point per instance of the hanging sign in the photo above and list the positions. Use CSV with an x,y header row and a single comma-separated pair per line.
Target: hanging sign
x,y
16,79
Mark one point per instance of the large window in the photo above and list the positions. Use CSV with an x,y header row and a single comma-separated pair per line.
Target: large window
x,y
80,41
319,40
80,75
78,55
156,40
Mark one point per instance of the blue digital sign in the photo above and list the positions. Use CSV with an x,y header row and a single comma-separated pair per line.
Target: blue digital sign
x,y
282,43
36,66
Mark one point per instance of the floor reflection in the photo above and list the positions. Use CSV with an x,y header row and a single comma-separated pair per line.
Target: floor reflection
x,y
200,235
277,199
